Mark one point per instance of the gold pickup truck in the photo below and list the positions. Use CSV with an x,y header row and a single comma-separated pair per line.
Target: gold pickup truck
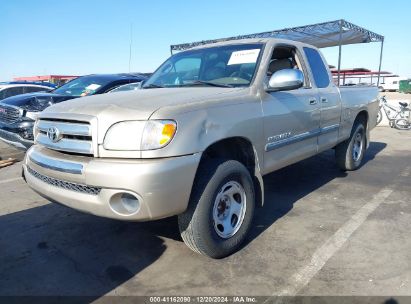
x,y
198,136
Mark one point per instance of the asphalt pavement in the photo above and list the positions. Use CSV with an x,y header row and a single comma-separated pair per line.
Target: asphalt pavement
x,y
321,232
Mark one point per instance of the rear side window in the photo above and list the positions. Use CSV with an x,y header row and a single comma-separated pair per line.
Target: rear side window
x,y
34,89
12,91
321,77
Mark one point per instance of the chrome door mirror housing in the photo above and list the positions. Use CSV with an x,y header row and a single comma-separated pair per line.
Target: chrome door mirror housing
x,y
286,79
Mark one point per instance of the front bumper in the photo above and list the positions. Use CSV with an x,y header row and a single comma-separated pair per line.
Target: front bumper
x,y
18,134
91,185
15,140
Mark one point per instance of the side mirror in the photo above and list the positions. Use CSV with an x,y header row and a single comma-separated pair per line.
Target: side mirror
x,y
287,79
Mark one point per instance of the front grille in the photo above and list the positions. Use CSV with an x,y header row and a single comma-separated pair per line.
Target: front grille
x,y
65,185
9,114
69,136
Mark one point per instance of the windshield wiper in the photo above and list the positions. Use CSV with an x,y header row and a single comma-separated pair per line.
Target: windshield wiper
x,y
152,86
209,83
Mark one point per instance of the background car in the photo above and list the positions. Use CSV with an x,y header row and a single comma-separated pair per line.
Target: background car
x,y
9,89
18,113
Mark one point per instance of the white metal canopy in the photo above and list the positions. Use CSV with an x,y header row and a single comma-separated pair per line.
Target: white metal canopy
x,y
326,34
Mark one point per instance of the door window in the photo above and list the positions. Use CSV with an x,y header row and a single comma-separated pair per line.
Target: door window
x,y
286,57
319,71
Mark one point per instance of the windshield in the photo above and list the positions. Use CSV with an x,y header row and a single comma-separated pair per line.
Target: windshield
x,y
83,86
225,66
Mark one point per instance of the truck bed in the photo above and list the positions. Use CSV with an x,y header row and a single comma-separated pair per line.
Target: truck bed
x,y
355,98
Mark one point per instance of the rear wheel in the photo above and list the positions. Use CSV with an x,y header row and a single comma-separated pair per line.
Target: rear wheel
x,y
402,124
220,210
350,153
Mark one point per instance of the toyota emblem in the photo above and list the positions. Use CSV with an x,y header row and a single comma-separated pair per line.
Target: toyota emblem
x,y
53,134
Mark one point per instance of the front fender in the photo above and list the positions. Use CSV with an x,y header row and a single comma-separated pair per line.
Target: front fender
x,y
197,130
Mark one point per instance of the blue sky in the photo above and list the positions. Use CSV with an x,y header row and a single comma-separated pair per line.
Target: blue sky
x,y
92,36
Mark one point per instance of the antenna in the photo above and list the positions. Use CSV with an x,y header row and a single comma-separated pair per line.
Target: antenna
x,y
131,44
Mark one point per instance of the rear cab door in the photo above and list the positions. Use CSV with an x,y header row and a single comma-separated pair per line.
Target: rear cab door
x,y
328,96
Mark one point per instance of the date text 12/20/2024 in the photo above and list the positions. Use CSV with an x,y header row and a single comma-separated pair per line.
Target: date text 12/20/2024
x,y
203,299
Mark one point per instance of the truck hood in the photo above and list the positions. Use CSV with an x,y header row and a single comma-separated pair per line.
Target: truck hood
x,y
136,105
35,101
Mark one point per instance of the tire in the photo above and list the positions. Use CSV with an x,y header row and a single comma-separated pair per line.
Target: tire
x,y
379,116
347,158
402,124
215,187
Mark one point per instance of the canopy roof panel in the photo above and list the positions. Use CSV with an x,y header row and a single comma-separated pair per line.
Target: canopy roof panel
x,y
355,72
321,35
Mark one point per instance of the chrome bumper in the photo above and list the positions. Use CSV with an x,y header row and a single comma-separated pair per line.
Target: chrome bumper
x,y
54,164
88,184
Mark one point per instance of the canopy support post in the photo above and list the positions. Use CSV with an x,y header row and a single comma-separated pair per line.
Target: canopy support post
x,y
339,54
379,67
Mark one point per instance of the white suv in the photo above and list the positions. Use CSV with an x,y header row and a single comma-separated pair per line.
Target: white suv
x,y
12,89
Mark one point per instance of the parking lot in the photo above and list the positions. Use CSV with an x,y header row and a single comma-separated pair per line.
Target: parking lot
x,y
321,232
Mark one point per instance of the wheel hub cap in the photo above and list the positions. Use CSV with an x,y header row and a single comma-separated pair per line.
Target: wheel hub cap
x,y
229,209
357,147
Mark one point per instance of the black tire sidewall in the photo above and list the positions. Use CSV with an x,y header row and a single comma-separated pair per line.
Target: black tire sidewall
x,y
398,127
214,244
352,164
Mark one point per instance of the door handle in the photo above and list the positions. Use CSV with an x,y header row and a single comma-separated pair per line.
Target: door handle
x,y
324,100
313,101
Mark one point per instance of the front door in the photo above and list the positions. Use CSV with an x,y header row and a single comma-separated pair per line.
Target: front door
x,y
291,124
291,118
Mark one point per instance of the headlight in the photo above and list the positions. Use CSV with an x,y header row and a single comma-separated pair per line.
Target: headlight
x,y
157,134
35,130
32,115
139,135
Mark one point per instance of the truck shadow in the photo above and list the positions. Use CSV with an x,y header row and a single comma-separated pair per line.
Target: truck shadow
x,y
286,186
54,251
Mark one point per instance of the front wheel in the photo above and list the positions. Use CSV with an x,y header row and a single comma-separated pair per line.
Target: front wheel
x,y
350,153
220,210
